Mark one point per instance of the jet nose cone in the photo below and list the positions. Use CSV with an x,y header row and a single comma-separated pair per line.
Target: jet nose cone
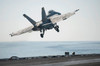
x,y
76,10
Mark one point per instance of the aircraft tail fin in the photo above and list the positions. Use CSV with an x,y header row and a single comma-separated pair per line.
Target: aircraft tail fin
x,y
30,19
44,17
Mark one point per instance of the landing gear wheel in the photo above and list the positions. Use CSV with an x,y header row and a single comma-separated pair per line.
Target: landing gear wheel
x,y
57,26
41,35
57,29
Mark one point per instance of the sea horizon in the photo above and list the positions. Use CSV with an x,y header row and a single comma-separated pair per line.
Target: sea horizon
x,y
46,48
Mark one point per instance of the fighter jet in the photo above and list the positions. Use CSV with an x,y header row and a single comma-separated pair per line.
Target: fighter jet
x,y
46,23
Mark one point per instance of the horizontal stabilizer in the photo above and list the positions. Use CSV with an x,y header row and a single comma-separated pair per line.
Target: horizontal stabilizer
x,y
29,19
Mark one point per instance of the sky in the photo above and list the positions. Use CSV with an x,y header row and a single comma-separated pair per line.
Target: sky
x,y
83,26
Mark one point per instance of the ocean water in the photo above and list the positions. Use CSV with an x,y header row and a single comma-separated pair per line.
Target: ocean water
x,y
31,49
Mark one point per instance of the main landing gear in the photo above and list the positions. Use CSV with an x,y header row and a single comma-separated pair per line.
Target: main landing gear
x,y
42,33
56,28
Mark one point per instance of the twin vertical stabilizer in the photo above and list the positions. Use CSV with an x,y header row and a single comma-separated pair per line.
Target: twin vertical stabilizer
x,y
44,17
30,19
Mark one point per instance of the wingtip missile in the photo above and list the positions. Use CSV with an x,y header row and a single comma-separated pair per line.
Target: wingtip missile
x,y
11,35
76,10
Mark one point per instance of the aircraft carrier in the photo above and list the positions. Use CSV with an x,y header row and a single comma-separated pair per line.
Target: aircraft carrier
x,y
57,60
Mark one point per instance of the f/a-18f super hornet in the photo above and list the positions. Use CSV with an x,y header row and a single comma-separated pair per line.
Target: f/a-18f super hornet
x,y
48,22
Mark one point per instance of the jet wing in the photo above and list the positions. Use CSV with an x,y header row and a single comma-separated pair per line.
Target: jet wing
x,y
29,29
57,18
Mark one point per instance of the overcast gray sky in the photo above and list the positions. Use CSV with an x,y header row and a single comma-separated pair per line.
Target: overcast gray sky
x,y
83,26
